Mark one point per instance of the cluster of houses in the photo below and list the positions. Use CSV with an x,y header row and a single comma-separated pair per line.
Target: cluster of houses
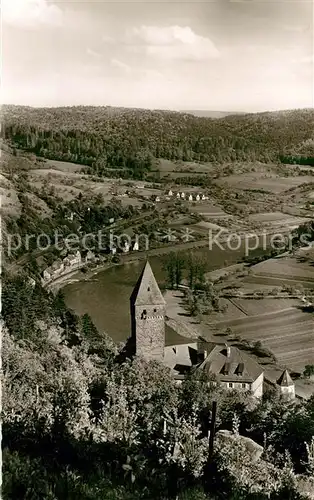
x,y
75,261
184,196
62,266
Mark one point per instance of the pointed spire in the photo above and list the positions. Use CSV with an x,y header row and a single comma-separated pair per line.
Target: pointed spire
x,y
285,379
146,291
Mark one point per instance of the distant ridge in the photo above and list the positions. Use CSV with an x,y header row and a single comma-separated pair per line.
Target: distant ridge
x,y
212,114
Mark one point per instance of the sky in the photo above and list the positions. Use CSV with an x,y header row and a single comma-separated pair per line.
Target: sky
x,y
226,55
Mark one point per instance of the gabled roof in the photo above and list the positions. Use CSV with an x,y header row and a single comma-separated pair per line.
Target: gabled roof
x,y
285,380
181,355
146,291
230,364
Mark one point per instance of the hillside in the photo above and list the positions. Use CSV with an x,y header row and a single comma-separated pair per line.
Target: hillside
x,y
131,139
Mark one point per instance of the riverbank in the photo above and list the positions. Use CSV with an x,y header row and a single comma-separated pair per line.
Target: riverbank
x,y
138,256
79,274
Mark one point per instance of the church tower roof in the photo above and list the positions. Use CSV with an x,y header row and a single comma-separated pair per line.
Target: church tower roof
x,y
146,291
285,380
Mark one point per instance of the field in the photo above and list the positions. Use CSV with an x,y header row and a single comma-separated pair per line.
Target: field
x,y
255,307
285,268
209,210
289,334
183,168
63,166
281,323
259,181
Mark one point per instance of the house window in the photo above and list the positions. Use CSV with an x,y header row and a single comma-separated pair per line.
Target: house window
x,y
155,310
148,289
230,384
243,386
144,314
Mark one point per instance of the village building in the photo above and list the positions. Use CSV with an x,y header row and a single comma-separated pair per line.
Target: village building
x,y
73,259
47,275
151,339
178,195
136,246
197,197
126,247
57,267
31,282
182,195
170,193
55,270
90,256
190,197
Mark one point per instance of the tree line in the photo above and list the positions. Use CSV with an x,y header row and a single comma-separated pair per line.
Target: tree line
x,y
131,140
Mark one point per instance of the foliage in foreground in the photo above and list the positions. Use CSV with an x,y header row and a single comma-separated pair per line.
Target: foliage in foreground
x,y
79,421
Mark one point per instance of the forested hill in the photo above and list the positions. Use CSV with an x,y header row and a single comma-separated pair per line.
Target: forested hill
x,y
106,137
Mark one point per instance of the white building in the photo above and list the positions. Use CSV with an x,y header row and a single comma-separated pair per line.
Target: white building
x,y
197,197
73,259
190,198
126,247
47,275
170,193
182,195
136,246
31,282
178,195
90,256
230,367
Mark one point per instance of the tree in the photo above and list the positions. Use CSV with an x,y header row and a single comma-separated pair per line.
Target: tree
x,y
308,371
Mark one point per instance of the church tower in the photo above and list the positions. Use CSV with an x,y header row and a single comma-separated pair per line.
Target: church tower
x,y
148,309
286,384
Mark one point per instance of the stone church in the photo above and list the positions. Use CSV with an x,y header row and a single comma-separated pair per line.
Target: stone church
x,y
153,340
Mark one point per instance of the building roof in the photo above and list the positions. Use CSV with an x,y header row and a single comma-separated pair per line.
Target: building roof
x,y
230,364
285,380
181,357
146,291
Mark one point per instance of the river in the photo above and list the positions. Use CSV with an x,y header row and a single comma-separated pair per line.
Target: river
x,y
105,296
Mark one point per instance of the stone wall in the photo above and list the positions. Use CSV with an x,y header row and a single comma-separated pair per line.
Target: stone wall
x,y
150,331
